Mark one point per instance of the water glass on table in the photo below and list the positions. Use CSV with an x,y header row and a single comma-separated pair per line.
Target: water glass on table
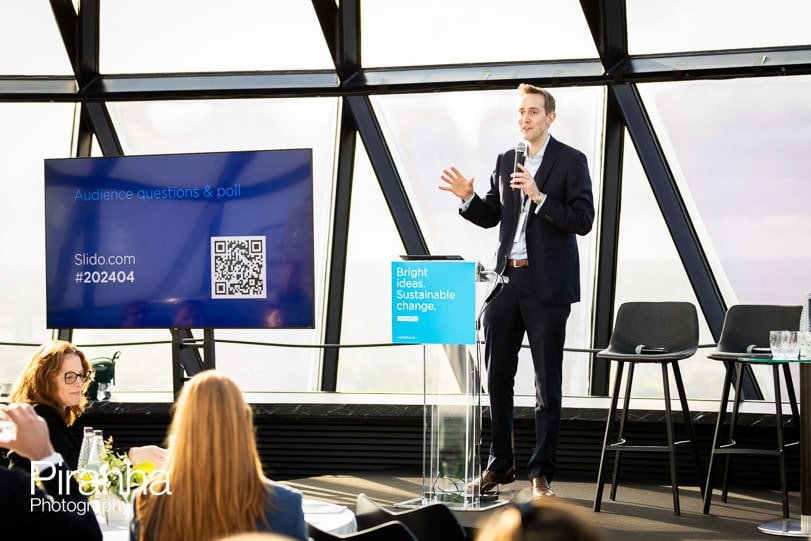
x,y
776,342
791,347
804,339
785,345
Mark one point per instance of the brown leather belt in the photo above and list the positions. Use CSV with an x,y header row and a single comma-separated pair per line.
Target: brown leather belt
x,y
518,263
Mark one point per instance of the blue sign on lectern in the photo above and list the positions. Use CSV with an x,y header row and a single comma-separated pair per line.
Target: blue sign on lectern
x,y
433,302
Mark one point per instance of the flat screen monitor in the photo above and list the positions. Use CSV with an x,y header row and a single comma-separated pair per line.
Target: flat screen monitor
x,y
211,240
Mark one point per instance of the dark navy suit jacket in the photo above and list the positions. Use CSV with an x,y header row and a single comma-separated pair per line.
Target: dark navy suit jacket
x,y
567,211
23,517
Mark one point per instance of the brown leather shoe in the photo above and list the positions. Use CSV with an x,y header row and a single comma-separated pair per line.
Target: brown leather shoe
x,y
541,488
489,481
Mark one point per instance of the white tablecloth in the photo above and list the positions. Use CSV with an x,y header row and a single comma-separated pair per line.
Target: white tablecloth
x,y
328,517
337,519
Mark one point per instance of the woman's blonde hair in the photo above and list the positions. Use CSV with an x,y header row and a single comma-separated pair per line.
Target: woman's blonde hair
x,y
547,519
37,383
212,470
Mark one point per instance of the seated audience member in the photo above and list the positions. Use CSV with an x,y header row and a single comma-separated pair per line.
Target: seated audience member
x,y
26,512
54,383
546,519
214,474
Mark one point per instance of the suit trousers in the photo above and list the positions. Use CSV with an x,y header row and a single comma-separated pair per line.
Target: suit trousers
x,y
511,312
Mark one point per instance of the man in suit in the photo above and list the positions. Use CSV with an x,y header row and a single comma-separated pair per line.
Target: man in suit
x,y
26,512
539,209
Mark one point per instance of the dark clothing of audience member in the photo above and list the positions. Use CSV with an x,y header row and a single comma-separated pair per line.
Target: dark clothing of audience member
x,y
63,438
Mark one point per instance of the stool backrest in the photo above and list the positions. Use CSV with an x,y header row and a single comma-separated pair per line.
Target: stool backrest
x,y
672,326
749,325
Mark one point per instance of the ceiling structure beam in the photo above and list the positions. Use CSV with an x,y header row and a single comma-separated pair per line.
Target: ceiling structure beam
x,y
341,28
490,76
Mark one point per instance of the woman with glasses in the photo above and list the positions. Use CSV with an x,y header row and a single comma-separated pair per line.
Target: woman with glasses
x,y
54,383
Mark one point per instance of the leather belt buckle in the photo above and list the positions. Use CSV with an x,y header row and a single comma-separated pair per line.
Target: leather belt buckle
x,y
518,263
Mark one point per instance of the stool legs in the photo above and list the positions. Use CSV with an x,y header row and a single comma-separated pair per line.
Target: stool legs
x,y
598,497
719,424
670,441
732,424
780,452
688,420
792,396
621,435
778,403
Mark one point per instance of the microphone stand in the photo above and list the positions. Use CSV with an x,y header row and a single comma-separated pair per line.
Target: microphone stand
x,y
482,275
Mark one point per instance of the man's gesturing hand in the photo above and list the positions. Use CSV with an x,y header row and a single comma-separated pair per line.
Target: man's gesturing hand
x,y
456,183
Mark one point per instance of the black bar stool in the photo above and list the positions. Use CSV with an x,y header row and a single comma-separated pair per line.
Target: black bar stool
x,y
744,338
649,332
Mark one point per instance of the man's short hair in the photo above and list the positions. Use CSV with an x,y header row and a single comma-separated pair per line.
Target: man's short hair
x,y
548,99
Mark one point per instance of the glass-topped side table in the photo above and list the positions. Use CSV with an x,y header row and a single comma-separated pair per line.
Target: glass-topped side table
x,y
785,526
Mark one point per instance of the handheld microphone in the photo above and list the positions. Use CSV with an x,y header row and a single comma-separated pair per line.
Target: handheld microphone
x,y
520,156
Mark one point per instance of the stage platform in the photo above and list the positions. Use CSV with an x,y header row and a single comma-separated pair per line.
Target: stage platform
x,y
641,512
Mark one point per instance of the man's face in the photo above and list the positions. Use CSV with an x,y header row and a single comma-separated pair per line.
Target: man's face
x,y
533,120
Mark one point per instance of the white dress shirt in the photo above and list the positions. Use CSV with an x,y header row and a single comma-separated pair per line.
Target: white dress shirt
x,y
519,247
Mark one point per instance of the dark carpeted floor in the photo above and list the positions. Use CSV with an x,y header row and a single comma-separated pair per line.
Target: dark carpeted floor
x,y
641,512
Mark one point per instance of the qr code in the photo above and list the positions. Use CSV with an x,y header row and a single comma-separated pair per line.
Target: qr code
x,y
238,269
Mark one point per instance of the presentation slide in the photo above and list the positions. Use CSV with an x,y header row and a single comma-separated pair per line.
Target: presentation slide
x,y
213,240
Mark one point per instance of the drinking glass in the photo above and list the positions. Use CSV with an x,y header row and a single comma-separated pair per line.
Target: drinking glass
x,y
776,343
804,338
791,347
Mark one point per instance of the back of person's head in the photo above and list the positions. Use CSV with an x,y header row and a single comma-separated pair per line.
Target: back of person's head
x,y
212,470
547,519
256,537
38,384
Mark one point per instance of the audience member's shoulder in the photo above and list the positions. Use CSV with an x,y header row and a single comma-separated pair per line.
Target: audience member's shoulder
x,y
48,412
11,479
282,494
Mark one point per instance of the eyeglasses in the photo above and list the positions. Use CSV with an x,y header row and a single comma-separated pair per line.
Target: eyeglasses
x,y
71,377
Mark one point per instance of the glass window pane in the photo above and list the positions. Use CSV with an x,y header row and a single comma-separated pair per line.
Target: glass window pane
x,y
649,269
30,40
145,369
156,127
739,152
153,36
468,131
663,26
425,32
29,133
95,148
373,244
